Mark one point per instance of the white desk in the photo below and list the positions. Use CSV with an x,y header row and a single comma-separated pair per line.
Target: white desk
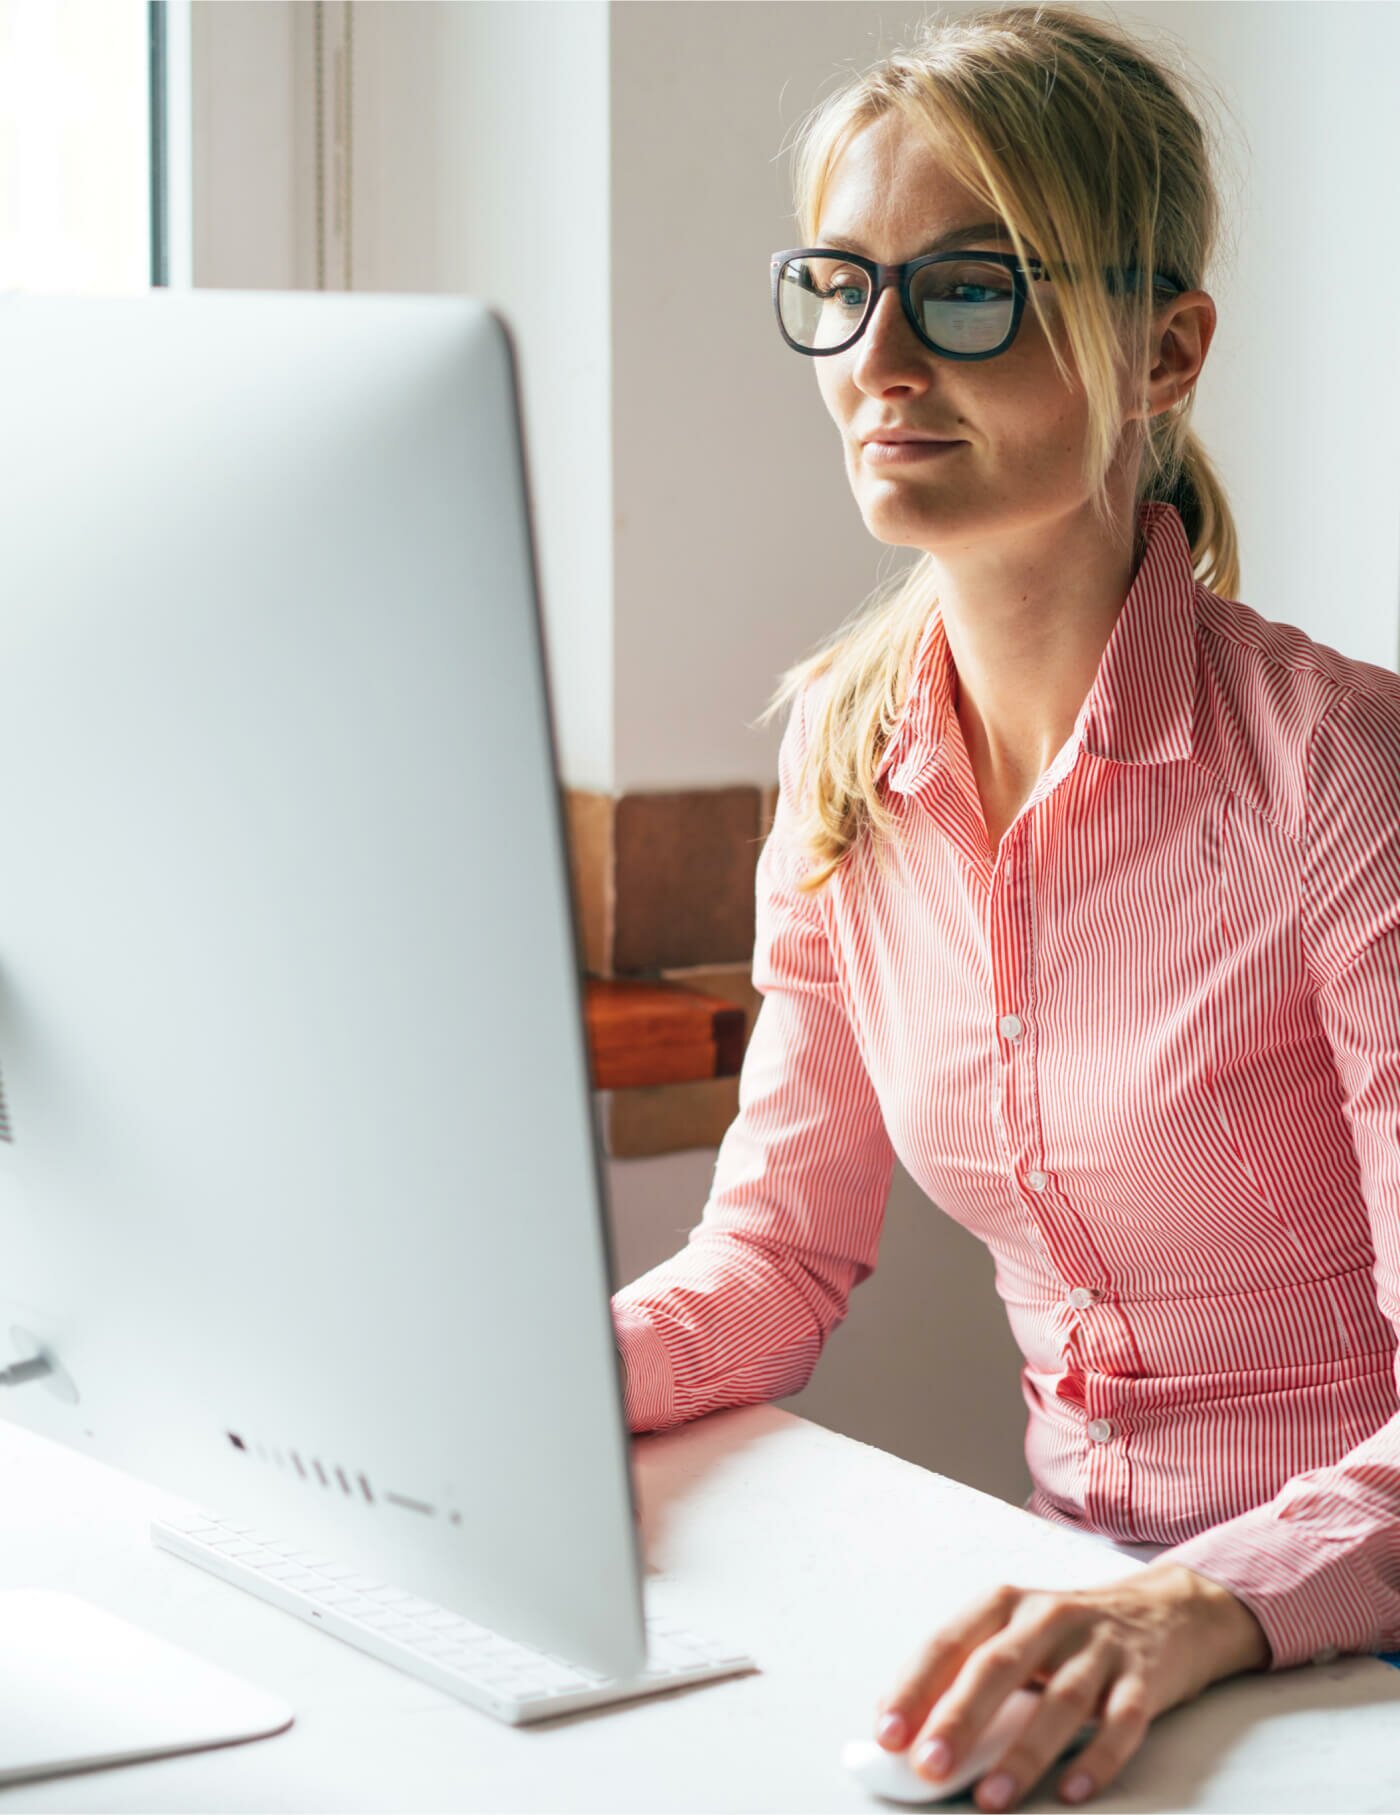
x,y
828,1560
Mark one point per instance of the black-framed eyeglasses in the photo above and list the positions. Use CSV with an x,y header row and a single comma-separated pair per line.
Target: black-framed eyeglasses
x,y
962,305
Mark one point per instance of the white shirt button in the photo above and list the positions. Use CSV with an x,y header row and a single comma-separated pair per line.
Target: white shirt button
x,y
1081,1296
1327,1655
1100,1430
1010,1026
1036,1180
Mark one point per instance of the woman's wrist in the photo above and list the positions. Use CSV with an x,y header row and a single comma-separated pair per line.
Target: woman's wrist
x,y
1241,1642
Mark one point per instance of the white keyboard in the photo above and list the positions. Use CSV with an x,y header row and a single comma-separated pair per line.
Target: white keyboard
x,y
514,1682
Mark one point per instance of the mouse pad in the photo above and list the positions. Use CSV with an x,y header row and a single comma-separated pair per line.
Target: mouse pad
x,y
80,1687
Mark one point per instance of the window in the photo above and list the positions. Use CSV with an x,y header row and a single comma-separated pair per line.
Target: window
x,y
75,145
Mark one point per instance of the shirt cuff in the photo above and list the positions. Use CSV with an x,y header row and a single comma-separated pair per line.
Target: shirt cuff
x,y
650,1394
1309,1593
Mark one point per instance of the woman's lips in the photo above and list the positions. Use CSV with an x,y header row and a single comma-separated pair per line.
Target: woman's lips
x,y
895,453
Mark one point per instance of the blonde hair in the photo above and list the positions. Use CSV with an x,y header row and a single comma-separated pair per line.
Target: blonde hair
x,y
1081,142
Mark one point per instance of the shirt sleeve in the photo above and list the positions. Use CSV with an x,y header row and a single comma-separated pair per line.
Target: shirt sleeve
x,y
1319,1564
797,1202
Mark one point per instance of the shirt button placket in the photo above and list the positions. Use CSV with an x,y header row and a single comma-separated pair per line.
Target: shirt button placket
x,y
1106,1484
1012,1029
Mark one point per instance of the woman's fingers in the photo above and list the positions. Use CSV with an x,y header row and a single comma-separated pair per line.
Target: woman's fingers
x,y
1044,1631
1123,1723
1068,1701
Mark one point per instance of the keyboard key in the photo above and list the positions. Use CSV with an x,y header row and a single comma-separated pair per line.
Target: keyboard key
x,y
559,1681
434,1647
384,1619
467,1632
330,1596
403,1632
436,1621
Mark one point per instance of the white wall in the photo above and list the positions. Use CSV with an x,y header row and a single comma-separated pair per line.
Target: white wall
x,y
1299,397
479,166
485,139
250,104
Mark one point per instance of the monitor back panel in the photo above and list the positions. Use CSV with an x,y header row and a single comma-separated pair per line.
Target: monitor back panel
x,y
299,1176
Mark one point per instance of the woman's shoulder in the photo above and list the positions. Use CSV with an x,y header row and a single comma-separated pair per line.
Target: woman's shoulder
x,y
1264,691
1280,659
805,711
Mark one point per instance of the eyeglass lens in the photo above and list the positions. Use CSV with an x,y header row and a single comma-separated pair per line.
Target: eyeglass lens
x,y
962,305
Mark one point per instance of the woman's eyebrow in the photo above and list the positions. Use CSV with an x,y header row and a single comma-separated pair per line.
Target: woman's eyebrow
x,y
955,236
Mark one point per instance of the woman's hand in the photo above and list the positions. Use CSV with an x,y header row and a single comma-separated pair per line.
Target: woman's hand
x,y
1120,1654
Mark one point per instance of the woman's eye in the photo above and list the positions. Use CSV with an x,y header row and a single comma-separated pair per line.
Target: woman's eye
x,y
853,289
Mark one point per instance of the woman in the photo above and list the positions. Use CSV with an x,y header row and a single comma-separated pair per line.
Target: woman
x,y
1082,898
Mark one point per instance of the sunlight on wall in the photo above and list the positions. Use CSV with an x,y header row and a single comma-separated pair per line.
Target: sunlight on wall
x,y
74,146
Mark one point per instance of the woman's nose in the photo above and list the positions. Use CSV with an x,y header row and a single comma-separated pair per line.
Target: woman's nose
x,y
888,340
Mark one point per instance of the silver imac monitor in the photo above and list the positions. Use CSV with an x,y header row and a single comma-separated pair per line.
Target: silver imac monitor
x,y
301,1201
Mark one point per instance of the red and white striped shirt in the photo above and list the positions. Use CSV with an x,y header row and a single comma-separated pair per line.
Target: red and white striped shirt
x,y
1150,1056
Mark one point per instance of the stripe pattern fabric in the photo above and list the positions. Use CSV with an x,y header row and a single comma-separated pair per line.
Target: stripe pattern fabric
x,y
1148,1052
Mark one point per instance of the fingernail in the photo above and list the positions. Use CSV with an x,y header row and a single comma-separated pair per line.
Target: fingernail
x,y
998,1789
893,1730
934,1757
1077,1787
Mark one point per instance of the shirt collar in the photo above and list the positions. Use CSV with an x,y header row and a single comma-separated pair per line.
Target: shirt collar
x,y
1139,708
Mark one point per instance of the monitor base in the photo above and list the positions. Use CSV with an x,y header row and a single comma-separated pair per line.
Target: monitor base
x,y
81,1688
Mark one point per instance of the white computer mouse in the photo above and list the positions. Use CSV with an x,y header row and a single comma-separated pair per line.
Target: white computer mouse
x,y
891,1775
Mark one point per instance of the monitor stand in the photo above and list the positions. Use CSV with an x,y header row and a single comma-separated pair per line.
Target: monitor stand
x,y
81,1688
